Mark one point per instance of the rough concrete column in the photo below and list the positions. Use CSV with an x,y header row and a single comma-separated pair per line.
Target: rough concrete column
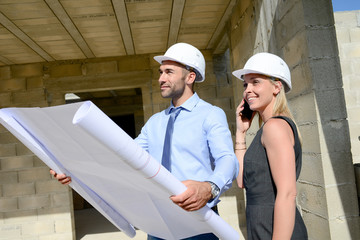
x,y
302,32
335,190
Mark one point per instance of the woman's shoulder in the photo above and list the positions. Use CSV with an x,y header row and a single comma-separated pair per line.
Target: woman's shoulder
x,y
276,126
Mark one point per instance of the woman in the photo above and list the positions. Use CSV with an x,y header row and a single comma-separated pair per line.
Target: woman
x,y
271,165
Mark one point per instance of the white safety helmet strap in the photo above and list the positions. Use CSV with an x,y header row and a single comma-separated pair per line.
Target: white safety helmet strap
x,y
187,55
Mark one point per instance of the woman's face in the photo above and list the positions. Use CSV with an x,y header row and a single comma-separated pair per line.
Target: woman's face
x,y
259,91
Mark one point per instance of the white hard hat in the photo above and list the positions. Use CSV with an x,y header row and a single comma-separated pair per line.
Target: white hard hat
x,y
187,55
266,64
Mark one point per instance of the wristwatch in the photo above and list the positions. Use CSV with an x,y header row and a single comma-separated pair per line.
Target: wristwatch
x,y
214,189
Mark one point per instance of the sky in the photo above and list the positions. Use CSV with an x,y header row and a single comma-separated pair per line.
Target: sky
x,y
345,5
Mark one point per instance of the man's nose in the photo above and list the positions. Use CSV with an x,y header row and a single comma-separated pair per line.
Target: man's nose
x,y
162,78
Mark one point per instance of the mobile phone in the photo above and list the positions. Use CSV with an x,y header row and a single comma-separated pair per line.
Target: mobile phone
x,y
247,112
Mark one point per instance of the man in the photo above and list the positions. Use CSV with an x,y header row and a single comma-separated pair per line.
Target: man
x,y
201,152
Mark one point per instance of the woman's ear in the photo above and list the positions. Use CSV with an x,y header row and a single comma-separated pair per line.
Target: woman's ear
x,y
278,86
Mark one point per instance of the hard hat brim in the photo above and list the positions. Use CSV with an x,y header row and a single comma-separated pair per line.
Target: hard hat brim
x,y
162,58
241,72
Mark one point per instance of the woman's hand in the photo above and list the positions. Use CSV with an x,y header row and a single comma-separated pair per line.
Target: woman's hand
x,y
242,123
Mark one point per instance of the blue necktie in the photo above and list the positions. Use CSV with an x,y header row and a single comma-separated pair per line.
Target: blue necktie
x,y
166,161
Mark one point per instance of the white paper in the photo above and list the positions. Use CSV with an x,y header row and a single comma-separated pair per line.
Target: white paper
x,y
110,170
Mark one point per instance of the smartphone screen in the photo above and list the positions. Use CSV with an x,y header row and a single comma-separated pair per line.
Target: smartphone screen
x,y
247,111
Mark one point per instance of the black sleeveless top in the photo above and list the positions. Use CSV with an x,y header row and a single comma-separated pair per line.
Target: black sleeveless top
x,y
261,189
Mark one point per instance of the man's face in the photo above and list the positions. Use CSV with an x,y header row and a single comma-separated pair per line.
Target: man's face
x,y
172,79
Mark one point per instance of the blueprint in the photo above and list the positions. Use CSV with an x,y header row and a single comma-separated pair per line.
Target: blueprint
x,y
110,170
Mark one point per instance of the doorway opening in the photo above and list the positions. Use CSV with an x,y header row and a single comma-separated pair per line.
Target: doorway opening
x,y
125,108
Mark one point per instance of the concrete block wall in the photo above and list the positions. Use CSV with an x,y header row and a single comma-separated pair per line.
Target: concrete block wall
x,y
347,26
32,204
28,195
302,33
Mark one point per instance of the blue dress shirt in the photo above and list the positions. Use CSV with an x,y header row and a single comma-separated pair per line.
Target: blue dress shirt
x,y
202,147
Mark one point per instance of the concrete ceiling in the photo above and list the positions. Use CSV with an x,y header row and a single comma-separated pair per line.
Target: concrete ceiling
x,y
50,30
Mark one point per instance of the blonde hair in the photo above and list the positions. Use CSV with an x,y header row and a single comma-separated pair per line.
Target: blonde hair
x,y
281,107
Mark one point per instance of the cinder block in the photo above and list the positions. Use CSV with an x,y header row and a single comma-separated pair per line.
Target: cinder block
x,y
98,68
7,138
136,63
342,35
18,189
345,228
313,199
61,199
20,216
50,187
63,226
5,100
315,222
34,202
342,195
354,83
312,169
223,103
318,13
8,204
31,96
354,34
16,162
34,82
158,99
338,168
59,236
303,109
27,70
346,19
351,50
289,23
21,149
11,231
14,84
322,43
334,111
5,72
294,51
7,150
38,162
351,100
10,177
334,136
206,92
310,137
38,228
34,174
55,213
65,70
225,92
326,73
210,79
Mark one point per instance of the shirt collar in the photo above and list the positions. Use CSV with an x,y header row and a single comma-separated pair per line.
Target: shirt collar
x,y
188,104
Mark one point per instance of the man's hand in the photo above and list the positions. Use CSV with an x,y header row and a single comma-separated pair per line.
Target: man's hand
x,y
62,178
195,197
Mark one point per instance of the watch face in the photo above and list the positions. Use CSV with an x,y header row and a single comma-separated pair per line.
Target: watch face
x,y
214,190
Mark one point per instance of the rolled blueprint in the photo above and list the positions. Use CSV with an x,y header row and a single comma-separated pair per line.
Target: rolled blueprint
x,y
110,170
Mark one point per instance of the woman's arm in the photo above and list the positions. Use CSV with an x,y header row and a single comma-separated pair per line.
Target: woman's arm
x,y
242,125
278,139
